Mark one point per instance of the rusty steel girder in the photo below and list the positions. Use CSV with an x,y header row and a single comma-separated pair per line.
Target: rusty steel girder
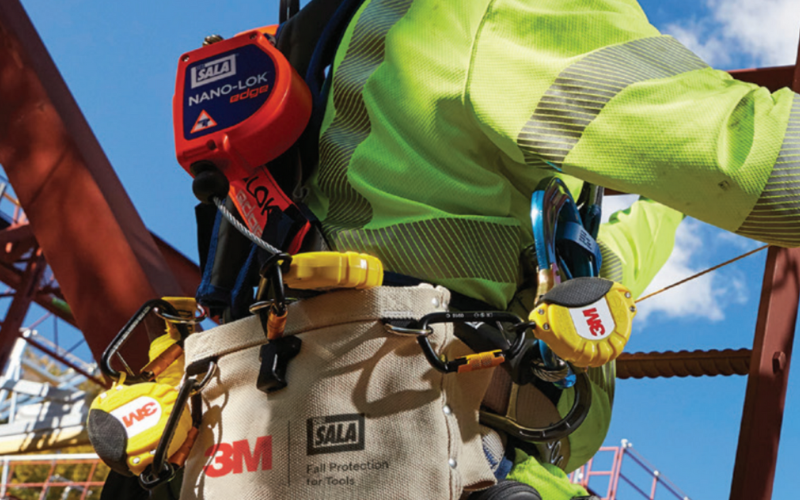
x,y
683,363
106,262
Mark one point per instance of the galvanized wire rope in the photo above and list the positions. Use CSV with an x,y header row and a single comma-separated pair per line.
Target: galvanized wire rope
x,y
242,228
701,273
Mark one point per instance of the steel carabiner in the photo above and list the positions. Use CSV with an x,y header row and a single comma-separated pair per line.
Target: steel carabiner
x,y
119,340
190,387
477,361
272,311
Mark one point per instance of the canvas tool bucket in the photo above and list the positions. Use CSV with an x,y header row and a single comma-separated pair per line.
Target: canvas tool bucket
x,y
364,415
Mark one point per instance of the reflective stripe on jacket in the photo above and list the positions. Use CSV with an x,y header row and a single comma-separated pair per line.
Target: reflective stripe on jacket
x,y
443,117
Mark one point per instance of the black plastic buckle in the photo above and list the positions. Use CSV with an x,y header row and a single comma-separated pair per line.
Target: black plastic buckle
x,y
275,356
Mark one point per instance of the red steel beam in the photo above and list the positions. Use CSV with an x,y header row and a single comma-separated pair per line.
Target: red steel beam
x,y
105,260
760,432
185,271
18,309
15,234
772,78
683,363
12,277
762,417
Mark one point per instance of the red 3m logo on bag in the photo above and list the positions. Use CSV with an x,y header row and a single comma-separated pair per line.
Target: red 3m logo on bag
x,y
236,456
593,322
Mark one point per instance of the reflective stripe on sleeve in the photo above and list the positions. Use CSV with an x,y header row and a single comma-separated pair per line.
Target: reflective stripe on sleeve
x,y
612,265
775,217
351,124
582,90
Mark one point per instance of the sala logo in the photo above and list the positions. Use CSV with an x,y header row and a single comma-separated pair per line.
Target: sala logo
x,y
234,457
594,322
335,433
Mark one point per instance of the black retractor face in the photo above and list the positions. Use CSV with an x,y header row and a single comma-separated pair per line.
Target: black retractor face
x,y
578,292
109,439
507,490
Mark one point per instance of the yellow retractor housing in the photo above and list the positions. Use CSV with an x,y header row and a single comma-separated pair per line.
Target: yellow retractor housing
x,y
587,332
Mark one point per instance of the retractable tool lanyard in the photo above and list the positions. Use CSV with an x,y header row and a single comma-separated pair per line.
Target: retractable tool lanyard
x,y
144,425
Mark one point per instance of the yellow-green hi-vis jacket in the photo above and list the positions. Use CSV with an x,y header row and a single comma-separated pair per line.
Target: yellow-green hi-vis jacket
x,y
444,116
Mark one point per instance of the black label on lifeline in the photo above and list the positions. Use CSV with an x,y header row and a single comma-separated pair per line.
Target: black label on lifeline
x,y
225,89
334,434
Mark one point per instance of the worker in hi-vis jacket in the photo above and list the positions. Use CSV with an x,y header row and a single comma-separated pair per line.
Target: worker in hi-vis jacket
x,y
444,117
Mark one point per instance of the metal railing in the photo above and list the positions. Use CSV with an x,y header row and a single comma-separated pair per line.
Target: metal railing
x,y
633,484
75,476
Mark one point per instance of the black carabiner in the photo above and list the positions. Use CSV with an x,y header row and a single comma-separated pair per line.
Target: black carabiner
x,y
561,429
272,277
477,361
122,337
190,386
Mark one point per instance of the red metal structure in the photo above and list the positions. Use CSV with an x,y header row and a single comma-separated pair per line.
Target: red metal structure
x,y
52,469
55,165
643,482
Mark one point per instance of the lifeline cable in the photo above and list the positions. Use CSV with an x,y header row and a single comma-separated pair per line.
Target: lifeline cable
x,y
242,228
690,278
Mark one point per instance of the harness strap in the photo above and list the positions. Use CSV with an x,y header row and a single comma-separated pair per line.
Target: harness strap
x,y
457,300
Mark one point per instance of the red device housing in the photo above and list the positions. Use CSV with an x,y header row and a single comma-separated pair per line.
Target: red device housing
x,y
237,149
239,104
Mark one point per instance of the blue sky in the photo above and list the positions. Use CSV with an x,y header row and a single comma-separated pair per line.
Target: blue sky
x,y
119,60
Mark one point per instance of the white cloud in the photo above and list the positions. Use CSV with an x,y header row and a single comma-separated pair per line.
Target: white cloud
x,y
695,35
733,240
764,30
612,204
704,297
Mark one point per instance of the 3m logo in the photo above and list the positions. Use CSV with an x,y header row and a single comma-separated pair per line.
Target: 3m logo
x,y
139,415
334,433
212,71
237,456
593,321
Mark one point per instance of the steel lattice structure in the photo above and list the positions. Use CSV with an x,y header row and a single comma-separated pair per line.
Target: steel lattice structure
x,y
55,165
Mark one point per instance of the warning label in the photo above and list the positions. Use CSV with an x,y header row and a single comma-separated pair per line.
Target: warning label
x,y
203,122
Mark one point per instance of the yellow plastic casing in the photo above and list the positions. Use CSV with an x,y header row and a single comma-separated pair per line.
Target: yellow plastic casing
x,y
327,270
143,410
590,335
165,354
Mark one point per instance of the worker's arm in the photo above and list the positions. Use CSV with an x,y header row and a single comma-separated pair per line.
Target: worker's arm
x,y
637,242
591,88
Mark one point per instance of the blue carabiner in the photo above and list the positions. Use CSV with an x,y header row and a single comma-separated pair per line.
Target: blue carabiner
x,y
558,228
565,249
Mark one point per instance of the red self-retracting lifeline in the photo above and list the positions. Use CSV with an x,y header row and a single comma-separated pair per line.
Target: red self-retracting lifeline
x,y
238,105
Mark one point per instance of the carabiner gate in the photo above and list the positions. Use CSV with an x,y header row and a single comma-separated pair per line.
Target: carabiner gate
x,y
164,308
477,361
